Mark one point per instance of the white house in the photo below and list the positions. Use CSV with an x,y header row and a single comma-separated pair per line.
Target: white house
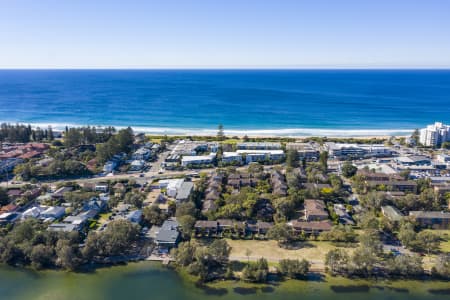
x,y
171,186
54,212
33,212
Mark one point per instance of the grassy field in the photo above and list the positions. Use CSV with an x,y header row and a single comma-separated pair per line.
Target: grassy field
x,y
444,234
312,251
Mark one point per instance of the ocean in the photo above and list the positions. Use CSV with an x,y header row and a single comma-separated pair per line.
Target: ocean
x,y
253,102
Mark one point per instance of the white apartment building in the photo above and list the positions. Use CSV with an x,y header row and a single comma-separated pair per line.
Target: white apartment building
x,y
434,135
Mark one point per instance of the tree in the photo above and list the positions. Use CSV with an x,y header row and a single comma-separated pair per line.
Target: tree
x,y
416,136
405,265
4,198
257,271
336,261
220,133
340,233
349,170
428,241
41,256
373,200
67,255
153,215
280,232
369,221
248,253
186,208
363,261
407,235
446,145
50,134
285,208
292,158
115,240
294,268
184,254
442,267
323,160
219,251
134,198
187,223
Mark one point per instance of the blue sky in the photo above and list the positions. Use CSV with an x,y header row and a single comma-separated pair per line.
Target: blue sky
x,y
224,34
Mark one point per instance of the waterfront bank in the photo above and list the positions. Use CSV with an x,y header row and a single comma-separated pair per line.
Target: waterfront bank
x,y
146,280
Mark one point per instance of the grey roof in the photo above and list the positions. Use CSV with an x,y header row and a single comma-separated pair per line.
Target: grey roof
x,y
62,227
168,234
185,190
392,213
430,214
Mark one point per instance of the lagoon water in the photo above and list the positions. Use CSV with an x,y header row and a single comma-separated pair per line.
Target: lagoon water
x,y
151,281
258,102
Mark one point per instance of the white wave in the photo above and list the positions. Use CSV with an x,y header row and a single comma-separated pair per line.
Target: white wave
x,y
285,132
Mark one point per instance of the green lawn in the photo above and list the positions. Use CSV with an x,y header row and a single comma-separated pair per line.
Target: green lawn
x,y
444,234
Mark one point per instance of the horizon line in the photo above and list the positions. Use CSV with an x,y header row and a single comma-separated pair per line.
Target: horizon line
x,y
250,68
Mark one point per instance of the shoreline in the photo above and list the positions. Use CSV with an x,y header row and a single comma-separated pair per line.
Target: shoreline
x,y
298,133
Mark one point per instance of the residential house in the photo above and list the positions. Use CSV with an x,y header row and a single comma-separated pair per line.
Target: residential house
x,y
53,212
141,154
95,204
135,216
33,212
259,227
208,206
15,193
59,193
432,219
110,166
206,227
278,181
378,176
62,227
315,210
238,180
344,216
392,213
119,189
312,227
402,186
9,217
184,191
168,235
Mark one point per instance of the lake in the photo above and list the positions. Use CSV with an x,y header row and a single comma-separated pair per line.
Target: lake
x,y
147,280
